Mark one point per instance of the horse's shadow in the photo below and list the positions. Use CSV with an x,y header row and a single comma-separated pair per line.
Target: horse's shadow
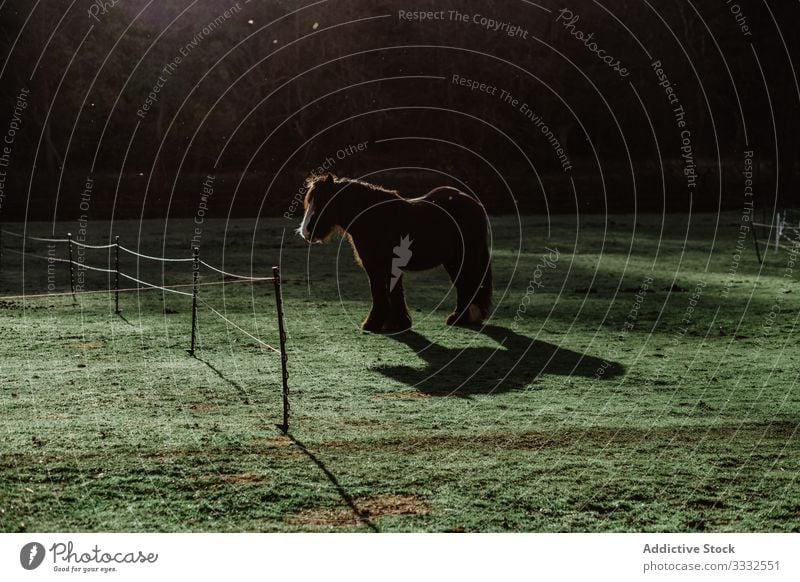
x,y
514,364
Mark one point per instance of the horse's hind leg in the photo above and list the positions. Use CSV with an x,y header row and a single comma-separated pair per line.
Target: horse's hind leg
x,y
399,318
468,282
459,277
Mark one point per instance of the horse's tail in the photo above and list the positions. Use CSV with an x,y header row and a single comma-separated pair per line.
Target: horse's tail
x,y
482,275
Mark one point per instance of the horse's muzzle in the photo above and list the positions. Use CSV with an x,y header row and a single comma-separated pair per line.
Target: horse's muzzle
x,y
310,239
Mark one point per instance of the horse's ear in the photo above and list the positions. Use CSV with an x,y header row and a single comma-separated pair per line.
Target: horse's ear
x,y
331,178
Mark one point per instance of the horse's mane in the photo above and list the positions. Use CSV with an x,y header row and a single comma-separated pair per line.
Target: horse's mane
x,y
336,180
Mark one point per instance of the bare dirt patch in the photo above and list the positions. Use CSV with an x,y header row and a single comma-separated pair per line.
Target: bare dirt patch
x,y
203,455
241,478
401,394
278,446
19,306
201,406
368,509
584,437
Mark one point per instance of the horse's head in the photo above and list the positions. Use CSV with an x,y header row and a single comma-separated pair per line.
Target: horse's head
x,y
319,220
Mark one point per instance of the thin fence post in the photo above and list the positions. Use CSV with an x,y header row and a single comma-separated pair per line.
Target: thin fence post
x,y
71,267
116,274
755,243
276,274
195,279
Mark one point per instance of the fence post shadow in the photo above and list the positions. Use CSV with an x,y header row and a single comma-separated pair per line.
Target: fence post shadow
x,y
241,389
362,516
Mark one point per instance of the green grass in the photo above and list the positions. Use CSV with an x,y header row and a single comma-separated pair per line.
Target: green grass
x,y
107,423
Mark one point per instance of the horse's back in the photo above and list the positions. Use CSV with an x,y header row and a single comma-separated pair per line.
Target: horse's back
x,y
448,195
443,224
455,208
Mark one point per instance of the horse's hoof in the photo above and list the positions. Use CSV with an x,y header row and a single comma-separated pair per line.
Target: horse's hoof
x,y
372,326
455,320
470,316
475,314
396,327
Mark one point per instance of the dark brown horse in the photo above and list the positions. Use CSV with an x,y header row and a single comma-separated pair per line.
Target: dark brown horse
x,y
390,234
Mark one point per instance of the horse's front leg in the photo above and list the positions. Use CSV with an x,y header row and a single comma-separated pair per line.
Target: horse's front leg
x,y
379,288
399,319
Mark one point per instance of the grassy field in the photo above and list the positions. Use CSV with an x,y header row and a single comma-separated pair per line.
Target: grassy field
x,y
626,382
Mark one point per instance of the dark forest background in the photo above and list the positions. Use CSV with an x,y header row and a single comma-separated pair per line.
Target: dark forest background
x,y
270,93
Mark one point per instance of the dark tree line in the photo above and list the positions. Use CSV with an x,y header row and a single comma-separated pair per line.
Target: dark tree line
x,y
266,94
